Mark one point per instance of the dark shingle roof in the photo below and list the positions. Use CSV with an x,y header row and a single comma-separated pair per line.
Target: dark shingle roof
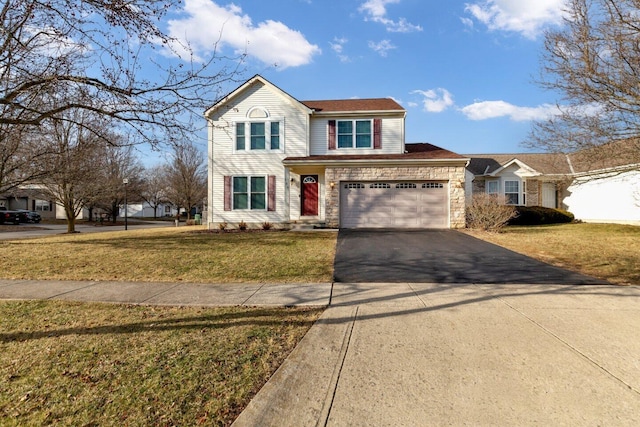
x,y
414,152
612,155
345,105
545,163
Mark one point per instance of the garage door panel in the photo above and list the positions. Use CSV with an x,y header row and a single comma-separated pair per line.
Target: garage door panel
x,y
420,204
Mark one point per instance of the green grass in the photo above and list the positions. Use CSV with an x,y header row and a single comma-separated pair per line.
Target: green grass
x,y
72,364
606,251
173,254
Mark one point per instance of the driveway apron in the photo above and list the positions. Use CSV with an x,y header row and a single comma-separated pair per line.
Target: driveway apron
x,y
438,256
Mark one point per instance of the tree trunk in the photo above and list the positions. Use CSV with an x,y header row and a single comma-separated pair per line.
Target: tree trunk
x,y
71,219
115,209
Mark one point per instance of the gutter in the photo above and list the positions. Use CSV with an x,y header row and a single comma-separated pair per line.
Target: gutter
x,y
377,162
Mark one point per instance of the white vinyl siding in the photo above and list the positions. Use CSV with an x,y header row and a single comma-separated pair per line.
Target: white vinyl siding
x,y
225,160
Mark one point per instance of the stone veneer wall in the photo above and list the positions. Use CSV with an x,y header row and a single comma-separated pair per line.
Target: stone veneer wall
x,y
453,174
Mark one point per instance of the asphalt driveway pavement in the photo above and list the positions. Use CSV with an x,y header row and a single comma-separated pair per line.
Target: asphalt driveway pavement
x,y
439,256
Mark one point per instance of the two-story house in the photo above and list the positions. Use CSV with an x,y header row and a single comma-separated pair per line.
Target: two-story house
x,y
339,163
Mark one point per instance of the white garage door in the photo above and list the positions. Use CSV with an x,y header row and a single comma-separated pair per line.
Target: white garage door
x,y
415,204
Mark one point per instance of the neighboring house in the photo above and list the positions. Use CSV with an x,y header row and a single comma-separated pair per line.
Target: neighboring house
x,y
597,185
335,163
524,179
145,210
29,198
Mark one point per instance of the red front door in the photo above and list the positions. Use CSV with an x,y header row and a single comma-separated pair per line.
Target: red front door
x,y
309,195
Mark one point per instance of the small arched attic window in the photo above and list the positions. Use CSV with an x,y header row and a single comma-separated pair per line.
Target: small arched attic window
x,y
257,113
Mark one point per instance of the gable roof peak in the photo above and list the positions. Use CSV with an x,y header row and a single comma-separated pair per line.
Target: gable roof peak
x,y
246,85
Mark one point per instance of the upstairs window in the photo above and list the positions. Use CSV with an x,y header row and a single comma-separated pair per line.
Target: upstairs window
x,y
258,138
261,135
354,134
275,135
240,141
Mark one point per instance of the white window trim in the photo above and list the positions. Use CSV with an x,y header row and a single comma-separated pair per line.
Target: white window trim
x,y
267,133
501,187
266,192
41,204
519,192
353,134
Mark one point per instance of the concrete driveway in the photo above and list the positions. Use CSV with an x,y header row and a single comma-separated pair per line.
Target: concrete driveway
x,y
438,256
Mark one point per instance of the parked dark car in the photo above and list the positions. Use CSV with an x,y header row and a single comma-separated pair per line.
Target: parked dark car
x,y
29,216
22,216
9,217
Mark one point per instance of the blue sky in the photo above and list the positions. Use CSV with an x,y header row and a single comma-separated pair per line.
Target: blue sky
x,y
463,70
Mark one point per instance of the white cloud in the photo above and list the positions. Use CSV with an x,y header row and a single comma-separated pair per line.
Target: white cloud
x,y
376,11
526,17
435,100
382,48
337,45
467,22
494,109
206,23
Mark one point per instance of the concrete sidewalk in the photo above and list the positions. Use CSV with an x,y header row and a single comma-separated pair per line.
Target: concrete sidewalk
x,y
481,355
162,293
399,354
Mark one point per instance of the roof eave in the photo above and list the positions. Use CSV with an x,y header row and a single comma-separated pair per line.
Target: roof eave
x,y
401,113
375,162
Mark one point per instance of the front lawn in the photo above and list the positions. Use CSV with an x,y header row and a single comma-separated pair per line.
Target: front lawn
x,y
173,255
606,251
78,364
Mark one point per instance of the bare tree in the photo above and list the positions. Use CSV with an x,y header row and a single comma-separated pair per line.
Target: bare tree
x,y
154,187
73,162
19,152
594,63
119,163
186,176
103,50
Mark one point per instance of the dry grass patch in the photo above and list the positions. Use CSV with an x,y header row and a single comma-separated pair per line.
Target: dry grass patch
x,y
173,254
606,251
72,364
